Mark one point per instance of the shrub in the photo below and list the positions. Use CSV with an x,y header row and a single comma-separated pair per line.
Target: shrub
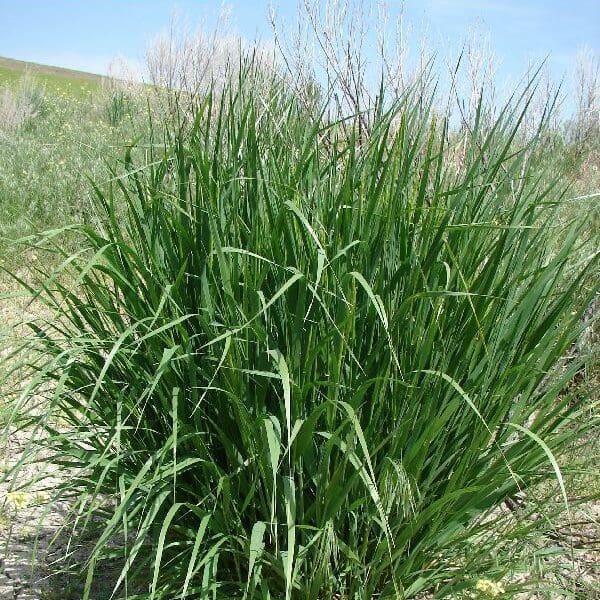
x,y
308,358
20,106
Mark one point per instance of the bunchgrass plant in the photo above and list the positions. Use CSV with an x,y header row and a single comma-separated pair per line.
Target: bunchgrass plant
x,y
296,357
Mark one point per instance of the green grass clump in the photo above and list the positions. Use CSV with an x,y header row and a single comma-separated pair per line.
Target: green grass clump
x,y
299,358
117,107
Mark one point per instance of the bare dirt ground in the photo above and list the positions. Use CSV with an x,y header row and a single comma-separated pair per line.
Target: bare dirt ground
x,y
29,523
35,528
27,520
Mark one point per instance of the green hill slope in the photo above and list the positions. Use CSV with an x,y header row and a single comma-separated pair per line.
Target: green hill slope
x,y
58,79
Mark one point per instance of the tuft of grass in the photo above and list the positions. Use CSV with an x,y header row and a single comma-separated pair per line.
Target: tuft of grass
x,y
117,107
300,358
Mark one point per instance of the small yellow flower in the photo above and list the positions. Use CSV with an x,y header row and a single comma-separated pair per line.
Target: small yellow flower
x,y
490,588
18,499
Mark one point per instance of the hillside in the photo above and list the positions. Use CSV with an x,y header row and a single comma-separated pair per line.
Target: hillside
x,y
57,78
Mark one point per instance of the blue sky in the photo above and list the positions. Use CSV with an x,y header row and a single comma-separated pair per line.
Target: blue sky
x,y
86,34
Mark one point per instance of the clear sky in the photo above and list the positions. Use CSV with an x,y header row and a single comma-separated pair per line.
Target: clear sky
x,y
86,34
